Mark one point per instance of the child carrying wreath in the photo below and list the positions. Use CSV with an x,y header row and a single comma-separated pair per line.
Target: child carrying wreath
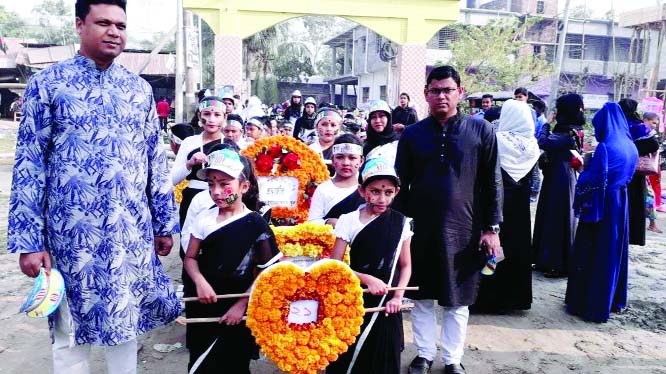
x,y
227,242
379,238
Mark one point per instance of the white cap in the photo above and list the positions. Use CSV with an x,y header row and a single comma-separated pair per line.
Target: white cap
x,y
226,161
378,167
310,100
378,105
296,93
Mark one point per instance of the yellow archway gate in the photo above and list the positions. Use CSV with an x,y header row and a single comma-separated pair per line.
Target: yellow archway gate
x,y
410,23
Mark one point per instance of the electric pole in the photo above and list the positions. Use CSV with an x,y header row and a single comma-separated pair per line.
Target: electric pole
x,y
559,59
180,66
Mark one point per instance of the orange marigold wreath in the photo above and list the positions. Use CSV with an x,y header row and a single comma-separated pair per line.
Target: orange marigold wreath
x,y
306,348
286,156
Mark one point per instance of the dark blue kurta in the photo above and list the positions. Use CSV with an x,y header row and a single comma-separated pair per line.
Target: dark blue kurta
x,y
452,188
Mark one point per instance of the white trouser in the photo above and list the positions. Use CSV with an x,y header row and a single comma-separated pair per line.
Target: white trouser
x,y
69,358
454,329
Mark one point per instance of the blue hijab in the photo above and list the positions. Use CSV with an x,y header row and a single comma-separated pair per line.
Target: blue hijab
x,y
612,165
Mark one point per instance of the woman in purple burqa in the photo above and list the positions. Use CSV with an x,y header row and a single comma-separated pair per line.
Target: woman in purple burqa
x,y
646,141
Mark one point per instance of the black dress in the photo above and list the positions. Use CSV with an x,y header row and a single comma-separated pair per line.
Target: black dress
x,y
555,222
228,260
510,288
380,352
346,205
636,193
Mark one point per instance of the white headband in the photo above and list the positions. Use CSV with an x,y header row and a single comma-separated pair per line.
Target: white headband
x,y
348,149
234,123
174,138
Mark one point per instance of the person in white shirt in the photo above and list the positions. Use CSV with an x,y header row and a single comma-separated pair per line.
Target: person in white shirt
x,y
347,159
193,150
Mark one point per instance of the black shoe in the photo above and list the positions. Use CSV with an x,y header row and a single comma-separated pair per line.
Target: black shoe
x,y
454,369
419,365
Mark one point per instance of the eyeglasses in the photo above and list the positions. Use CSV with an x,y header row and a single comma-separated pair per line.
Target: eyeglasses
x,y
438,91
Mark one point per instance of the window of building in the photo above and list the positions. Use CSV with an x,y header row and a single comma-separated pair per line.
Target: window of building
x,y
536,49
446,36
573,46
378,44
540,7
365,96
624,50
382,93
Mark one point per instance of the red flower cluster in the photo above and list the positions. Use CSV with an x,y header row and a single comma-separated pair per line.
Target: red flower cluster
x,y
291,161
264,163
276,154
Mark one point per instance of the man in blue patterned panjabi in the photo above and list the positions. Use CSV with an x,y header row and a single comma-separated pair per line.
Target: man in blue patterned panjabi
x,y
91,196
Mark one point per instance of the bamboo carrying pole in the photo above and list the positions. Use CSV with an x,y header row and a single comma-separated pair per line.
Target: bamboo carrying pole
x,y
184,321
238,295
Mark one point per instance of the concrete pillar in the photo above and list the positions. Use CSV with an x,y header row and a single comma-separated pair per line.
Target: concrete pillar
x,y
344,95
331,92
192,64
229,62
412,75
334,55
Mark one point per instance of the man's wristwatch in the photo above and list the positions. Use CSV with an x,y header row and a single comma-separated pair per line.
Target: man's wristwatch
x,y
495,229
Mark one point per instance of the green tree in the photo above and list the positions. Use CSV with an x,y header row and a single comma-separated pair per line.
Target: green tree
x,y
494,58
57,22
260,49
150,44
207,54
581,11
11,24
293,62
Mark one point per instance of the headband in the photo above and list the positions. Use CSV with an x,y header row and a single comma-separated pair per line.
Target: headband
x,y
212,102
174,138
348,149
234,123
255,122
328,112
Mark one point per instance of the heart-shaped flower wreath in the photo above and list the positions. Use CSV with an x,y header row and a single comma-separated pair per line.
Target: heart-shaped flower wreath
x,y
306,347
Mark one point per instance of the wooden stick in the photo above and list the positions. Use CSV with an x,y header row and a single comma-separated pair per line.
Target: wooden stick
x,y
239,295
226,296
183,321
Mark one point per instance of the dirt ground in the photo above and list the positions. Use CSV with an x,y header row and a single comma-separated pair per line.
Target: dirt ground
x,y
542,340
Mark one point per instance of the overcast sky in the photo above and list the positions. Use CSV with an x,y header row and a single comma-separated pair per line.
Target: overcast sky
x,y
149,16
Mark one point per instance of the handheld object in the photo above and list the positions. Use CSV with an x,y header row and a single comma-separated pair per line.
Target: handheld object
x,y
46,295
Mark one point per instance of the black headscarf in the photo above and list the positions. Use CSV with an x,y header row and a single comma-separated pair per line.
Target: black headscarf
x,y
492,114
569,113
182,131
376,139
630,110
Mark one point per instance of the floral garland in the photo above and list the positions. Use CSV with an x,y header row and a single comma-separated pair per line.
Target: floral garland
x,y
307,239
178,190
286,156
308,347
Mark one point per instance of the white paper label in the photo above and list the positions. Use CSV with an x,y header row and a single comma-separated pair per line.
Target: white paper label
x,y
303,311
278,191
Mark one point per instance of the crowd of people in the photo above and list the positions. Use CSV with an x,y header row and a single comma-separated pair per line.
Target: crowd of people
x,y
426,203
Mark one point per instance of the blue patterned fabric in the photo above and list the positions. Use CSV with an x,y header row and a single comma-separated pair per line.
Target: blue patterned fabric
x,y
91,184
